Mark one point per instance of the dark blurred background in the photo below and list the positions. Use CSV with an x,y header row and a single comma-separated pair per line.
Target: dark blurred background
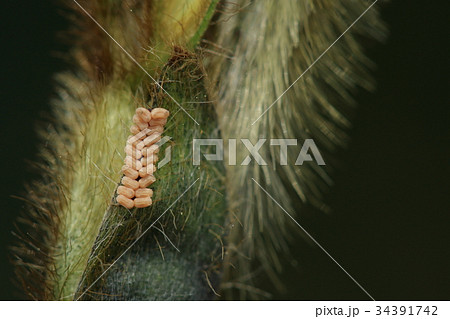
x,y
390,223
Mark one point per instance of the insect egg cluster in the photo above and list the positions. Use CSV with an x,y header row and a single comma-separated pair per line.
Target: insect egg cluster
x,y
141,157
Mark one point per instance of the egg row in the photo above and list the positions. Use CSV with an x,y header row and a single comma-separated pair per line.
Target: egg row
x,y
141,157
